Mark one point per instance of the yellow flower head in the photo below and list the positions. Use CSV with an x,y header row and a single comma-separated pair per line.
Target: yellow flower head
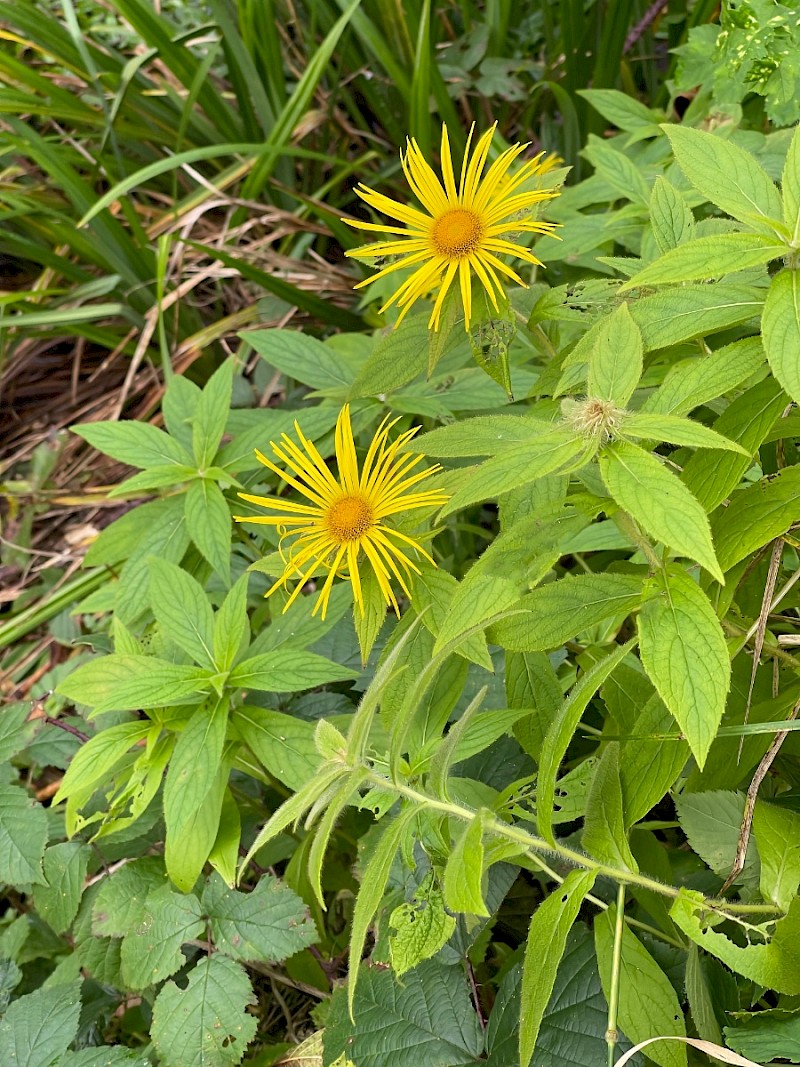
x,y
344,526
460,229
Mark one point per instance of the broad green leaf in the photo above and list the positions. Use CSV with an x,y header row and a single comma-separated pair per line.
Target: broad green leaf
x,y
224,856
122,537
151,950
104,1056
708,257
23,835
287,670
136,443
208,523
396,359
283,743
712,822
464,871
164,536
120,901
178,406
94,762
182,610
693,310
211,415
484,435
648,1005
16,730
422,927
484,728
531,682
206,1024
618,169
625,112
38,1027
790,187
756,515
777,834
615,363
434,592
269,923
677,431
683,650
727,176
560,731
302,357
368,625
659,501
65,866
557,450
556,612
767,1035
544,949
670,218
699,996
153,478
780,327
773,962
695,381
427,1019
231,627
193,792
649,768
604,833
125,683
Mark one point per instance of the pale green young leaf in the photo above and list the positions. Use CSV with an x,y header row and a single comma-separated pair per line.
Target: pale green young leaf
x,y
136,443
756,515
422,927
94,762
677,431
544,948
125,683
302,357
708,257
206,1024
694,310
182,610
659,501
684,652
780,327
151,950
224,856
712,821
268,924
283,744
604,833
211,415
698,994
23,835
64,866
790,187
464,871
561,729
287,670
480,729
670,218
231,627
695,381
727,176
777,833
484,435
208,523
648,1004
345,794
370,893
38,1027
615,363
556,612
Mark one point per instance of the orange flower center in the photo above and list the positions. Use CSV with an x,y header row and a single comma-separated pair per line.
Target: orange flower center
x,y
349,518
457,233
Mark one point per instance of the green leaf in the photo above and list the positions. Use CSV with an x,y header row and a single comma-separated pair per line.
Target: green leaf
x,y
151,950
790,187
154,478
287,670
780,327
767,1035
39,1026
615,362
556,612
531,682
623,111
231,628
224,856
397,358
693,310
283,743
136,443
712,822
773,962
178,406
206,1024
434,592
427,1019
464,871
485,435
193,793
708,257
104,1056
182,610
120,901
648,1005
208,523
604,833
211,415
269,924
683,650
698,994
777,834
23,835
727,176
422,927
660,503
756,515
544,949
94,762
299,356
65,868
670,218
695,381
560,731
125,683
16,731
677,431
649,768
622,174
368,625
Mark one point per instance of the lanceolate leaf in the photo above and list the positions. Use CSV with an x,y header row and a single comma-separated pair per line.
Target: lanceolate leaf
x,y
181,608
780,327
615,364
604,832
122,683
287,671
708,257
462,875
757,514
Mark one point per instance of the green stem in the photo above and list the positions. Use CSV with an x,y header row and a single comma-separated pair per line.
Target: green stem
x,y
51,605
616,962
630,527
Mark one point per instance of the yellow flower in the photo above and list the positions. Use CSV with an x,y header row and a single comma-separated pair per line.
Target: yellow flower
x,y
461,229
343,525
